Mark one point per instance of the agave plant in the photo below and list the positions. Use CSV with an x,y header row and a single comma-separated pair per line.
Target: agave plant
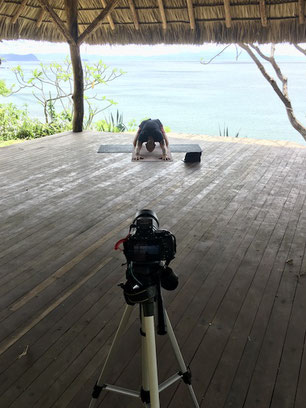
x,y
112,124
225,132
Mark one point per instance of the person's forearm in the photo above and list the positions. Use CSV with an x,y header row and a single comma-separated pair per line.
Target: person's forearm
x,y
136,138
164,150
165,137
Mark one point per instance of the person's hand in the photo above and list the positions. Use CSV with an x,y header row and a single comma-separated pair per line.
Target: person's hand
x,y
165,157
138,157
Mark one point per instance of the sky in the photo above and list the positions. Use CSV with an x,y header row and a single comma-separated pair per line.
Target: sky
x,y
40,47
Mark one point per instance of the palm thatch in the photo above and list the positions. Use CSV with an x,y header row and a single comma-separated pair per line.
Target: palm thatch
x,y
156,21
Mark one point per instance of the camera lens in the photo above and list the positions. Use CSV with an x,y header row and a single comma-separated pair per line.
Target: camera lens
x,y
146,213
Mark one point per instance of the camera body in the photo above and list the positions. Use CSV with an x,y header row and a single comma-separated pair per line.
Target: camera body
x,y
148,251
146,244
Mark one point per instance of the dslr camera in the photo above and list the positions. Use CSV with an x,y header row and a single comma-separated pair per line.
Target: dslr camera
x,y
148,251
146,244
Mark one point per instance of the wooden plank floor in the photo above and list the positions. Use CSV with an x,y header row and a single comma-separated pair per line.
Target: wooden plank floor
x,y
239,313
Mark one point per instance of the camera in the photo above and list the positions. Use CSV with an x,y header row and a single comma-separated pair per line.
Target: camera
x,y
146,244
148,251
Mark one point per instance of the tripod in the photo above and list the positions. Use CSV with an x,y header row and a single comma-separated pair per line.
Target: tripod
x,y
150,389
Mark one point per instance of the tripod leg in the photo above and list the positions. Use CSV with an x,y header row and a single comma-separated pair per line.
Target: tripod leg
x,y
144,364
151,360
121,328
186,373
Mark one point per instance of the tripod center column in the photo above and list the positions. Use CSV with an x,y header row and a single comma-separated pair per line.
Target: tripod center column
x,y
149,330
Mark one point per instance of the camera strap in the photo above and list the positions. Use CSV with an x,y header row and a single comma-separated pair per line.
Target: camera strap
x,y
121,241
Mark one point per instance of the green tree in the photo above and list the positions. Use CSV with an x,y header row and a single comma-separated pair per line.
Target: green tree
x,y
52,86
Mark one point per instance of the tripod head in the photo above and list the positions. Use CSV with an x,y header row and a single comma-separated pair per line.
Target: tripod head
x,y
147,294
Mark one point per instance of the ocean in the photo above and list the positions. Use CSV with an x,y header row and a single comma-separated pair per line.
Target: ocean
x,y
190,97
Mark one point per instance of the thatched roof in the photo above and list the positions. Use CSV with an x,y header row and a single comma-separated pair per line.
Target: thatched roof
x,y
157,21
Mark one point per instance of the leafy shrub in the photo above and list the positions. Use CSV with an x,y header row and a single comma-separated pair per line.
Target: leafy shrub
x,y
16,124
4,90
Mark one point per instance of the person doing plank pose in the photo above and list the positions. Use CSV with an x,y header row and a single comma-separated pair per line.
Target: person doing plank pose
x,y
151,131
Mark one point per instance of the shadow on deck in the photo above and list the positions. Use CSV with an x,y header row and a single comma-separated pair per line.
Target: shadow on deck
x,y
239,313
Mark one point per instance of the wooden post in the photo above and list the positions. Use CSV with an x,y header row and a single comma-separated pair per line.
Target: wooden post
x,y
191,14
134,14
301,11
227,10
40,18
78,77
78,90
263,13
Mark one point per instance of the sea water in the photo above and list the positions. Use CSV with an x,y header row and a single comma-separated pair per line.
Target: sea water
x,y
219,98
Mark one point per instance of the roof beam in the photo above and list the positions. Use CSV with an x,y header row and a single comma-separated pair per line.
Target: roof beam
x,y
191,14
227,10
263,13
162,14
301,11
109,17
40,18
94,25
134,13
60,25
19,11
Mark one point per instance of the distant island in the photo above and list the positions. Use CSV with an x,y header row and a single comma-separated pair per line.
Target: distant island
x,y
18,57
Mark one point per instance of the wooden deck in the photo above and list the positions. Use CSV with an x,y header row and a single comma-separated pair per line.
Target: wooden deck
x,y
239,313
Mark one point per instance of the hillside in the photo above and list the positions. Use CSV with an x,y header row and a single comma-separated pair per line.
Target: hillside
x,y
18,57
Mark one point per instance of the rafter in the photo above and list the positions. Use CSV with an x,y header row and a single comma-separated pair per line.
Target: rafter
x,y
19,11
301,11
40,17
60,25
134,14
191,14
94,25
263,13
109,17
162,14
227,10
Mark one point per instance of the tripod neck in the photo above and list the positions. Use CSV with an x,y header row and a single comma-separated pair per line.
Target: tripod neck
x,y
148,309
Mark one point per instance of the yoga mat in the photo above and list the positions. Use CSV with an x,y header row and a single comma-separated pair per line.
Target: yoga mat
x,y
128,148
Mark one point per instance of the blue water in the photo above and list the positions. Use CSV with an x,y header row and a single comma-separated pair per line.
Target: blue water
x,y
194,98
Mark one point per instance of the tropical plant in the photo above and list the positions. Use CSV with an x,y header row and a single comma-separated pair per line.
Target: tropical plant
x,y
16,124
52,86
4,90
116,125
111,124
225,132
